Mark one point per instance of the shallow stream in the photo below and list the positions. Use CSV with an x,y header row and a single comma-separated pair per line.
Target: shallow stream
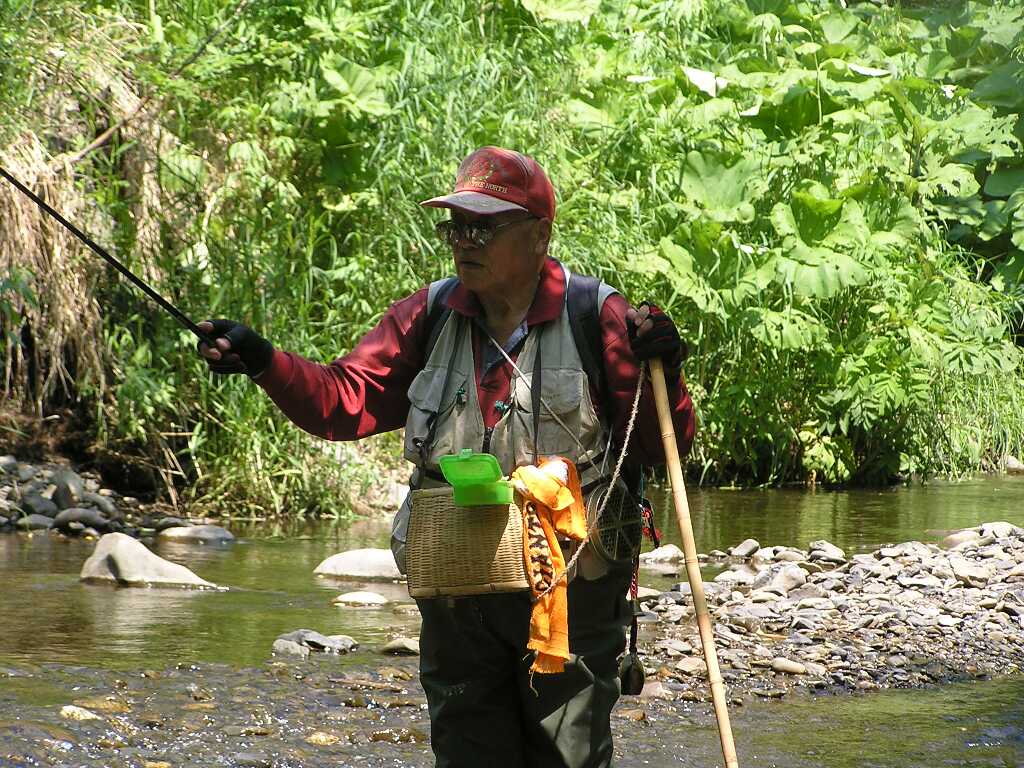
x,y
66,641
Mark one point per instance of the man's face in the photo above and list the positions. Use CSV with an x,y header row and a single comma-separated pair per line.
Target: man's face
x,y
512,257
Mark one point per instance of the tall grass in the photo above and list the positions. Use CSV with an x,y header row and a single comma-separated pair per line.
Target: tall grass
x,y
826,236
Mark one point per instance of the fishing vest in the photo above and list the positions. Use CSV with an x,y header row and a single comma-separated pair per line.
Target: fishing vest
x,y
444,412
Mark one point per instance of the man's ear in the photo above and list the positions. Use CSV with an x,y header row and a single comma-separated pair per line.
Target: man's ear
x,y
543,238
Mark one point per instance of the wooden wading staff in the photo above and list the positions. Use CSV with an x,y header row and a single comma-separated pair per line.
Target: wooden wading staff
x,y
700,605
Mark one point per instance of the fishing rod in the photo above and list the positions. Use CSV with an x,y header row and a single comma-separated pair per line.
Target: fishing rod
x,y
176,313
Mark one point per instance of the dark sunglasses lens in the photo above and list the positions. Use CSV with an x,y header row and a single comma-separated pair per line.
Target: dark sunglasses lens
x,y
451,233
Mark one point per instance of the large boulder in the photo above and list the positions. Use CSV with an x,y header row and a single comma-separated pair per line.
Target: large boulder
x,y
360,564
197,534
120,558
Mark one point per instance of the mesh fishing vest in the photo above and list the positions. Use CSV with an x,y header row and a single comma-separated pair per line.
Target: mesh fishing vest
x,y
444,413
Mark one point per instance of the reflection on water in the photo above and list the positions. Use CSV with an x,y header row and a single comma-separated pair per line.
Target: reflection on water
x,y
50,616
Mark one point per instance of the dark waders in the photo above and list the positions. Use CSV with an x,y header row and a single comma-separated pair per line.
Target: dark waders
x,y
475,672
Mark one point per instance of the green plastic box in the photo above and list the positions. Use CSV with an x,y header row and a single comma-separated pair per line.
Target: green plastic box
x,y
475,479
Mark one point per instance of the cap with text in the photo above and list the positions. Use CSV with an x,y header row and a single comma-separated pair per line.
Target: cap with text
x,y
496,180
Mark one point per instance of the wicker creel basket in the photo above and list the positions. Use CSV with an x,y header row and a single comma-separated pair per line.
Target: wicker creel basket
x,y
453,551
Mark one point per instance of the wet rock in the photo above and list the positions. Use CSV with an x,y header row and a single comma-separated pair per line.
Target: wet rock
x,y
121,559
361,600
69,488
289,648
360,564
103,503
8,465
82,517
402,646
669,553
769,693
36,504
315,641
961,537
655,689
739,574
745,548
197,534
33,522
322,738
251,760
165,523
26,472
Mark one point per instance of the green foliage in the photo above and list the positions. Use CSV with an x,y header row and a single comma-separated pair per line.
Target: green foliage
x,y
829,201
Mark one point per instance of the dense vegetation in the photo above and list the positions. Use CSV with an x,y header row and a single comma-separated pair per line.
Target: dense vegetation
x,y
828,199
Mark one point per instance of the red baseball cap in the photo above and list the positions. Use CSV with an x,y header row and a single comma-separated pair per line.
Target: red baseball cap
x,y
495,180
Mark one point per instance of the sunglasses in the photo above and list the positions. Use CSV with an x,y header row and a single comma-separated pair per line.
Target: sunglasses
x,y
476,233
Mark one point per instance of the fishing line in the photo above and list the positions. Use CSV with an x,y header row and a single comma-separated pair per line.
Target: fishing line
x,y
178,315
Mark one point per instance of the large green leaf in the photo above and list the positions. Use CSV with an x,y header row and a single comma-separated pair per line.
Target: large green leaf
x,y
562,10
724,192
818,272
1003,88
789,329
361,90
1004,182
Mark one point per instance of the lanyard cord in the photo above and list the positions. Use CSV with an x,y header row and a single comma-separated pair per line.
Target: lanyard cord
x,y
618,464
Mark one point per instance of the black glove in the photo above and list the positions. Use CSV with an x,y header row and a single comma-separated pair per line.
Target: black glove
x,y
250,353
662,340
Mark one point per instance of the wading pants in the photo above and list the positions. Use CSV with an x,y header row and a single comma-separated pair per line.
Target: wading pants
x,y
475,672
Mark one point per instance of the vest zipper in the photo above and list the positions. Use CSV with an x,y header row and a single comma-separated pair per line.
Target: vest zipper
x,y
487,439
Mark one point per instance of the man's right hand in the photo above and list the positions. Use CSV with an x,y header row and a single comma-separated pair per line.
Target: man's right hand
x,y
239,349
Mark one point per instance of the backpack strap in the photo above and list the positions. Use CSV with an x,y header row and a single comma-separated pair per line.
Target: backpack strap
x,y
585,297
437,311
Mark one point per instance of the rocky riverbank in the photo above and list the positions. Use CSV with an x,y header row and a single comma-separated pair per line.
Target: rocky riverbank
x,y
48,496
910,614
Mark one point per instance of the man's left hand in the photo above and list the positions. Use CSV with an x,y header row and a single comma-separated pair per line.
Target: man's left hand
x,y
653,334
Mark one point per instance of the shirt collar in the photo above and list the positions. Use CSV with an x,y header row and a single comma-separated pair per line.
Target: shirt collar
x,y
547,301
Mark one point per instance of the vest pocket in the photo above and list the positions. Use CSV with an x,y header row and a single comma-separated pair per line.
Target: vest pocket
x,y
425,403
562,390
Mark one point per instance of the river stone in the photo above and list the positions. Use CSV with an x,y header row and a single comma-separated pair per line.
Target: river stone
x,y
8,465
197,534
647,593
102,503
826,552
790,555
33,523
402,646
745,548
36,504
69,488
361,599
120,558
780,578
360,564
969,573
739,574
788,666
315,641
289,648
669,553
80,516
26,473
1002,530
961,537
1011,463
924,580
692,665
1015,573
71,712
164,523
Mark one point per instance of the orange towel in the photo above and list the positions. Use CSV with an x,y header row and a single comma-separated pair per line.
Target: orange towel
x,y
553,505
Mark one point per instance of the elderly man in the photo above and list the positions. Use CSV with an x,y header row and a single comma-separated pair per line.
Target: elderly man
x,y
465,363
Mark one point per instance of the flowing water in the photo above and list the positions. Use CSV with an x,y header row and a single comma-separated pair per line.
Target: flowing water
x,y
61,637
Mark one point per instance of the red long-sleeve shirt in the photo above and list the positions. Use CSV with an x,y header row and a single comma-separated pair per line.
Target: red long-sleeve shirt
x,y
364,392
